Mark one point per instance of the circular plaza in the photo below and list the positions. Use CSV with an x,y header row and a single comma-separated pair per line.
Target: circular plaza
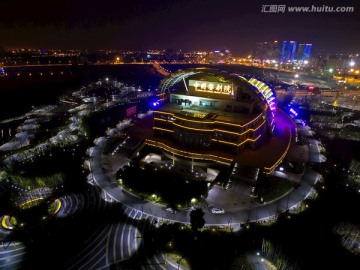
x,y
210,140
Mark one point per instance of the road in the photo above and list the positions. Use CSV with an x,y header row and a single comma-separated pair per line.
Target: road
x,y
233,219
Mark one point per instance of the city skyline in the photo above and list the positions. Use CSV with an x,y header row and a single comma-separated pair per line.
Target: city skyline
x,y
185,25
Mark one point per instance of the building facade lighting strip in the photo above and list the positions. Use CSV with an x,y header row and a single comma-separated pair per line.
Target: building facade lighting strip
x,y
196,129
237,125
160,119
217,130
163,129
237,144
195,121
209,122
265,90
186,154
269,170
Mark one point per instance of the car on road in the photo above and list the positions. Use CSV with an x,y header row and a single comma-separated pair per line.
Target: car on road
x,y
217,210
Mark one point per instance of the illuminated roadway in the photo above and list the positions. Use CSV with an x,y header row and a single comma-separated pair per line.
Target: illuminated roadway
x,y
106,245
233,219
118,241
160,69
115,242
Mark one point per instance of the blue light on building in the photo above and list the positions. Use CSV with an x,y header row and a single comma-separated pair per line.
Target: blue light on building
x,y
288,51
307,51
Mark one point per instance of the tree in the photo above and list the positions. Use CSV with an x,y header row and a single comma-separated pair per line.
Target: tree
x,y
197,219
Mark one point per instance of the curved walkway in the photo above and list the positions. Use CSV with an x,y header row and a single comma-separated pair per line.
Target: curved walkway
x,y
103,247
233,219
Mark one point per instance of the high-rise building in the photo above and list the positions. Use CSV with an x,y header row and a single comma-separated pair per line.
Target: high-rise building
x,y
307,51
267,50
303,52
299,52
288,51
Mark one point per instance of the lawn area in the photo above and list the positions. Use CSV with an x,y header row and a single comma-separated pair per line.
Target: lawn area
x,y
271,188
168,188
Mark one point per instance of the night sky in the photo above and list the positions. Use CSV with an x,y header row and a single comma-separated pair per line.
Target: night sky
x,y
174,24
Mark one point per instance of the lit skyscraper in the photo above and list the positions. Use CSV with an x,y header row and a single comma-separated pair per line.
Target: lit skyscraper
x,y
288,51
303,52
306,52
299,52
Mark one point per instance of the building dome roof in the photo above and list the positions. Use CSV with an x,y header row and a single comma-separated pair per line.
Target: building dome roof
x,y
248,88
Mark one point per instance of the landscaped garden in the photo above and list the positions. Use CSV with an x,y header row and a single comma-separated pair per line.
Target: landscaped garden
x,y
161,185
31,213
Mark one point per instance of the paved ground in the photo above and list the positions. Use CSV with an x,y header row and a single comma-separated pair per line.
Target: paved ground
x,y
230,200
102,247
120,240
235,215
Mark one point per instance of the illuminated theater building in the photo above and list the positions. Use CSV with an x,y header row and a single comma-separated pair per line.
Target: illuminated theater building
x,y
211,114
